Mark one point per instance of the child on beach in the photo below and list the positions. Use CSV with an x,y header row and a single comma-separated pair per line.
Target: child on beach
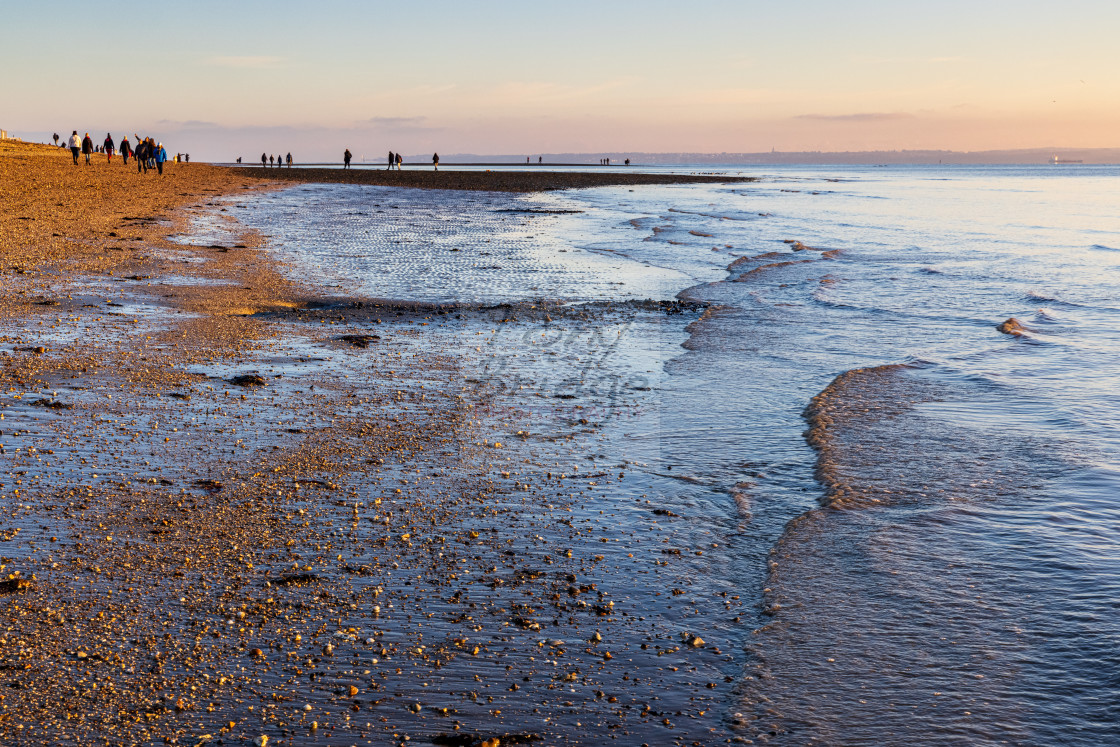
x,y
75,146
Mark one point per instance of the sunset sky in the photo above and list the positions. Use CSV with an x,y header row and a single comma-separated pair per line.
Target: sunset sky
x,y
231,78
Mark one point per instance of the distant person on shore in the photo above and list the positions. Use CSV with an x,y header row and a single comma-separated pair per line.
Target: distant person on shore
x,y
392,160
56,138
188,157
161,157
126,149
75,146
526,159
271,160
87,147
346,156
400,160
264,160
239,159
109,145
289,159
540,160
435,161
627,161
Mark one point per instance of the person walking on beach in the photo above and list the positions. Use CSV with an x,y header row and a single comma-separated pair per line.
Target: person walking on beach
x,y
346,159
264,160
56,138
399,161
392,160
87,147
161,156
75,146
109,145
140,154
289,159
126,150
271,161
435,161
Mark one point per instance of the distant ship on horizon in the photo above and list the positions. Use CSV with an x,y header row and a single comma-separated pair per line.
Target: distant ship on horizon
x,y
1057,161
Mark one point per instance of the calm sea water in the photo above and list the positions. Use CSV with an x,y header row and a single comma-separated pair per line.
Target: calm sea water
x,y
940,561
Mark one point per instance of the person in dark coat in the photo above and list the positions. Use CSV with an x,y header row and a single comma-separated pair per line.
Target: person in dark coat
x,y
126,149
141,156
264,160
346,159
87,147
392,160
399,161
435,161
109,145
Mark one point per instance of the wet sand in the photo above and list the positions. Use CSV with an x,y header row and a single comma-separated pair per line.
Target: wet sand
x,y
491,181
238,510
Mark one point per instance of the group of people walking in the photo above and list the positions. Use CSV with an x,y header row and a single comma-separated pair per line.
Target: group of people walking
x,y
396,160
277,161
148,153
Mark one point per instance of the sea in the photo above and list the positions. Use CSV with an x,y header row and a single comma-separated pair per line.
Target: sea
x,y
885,400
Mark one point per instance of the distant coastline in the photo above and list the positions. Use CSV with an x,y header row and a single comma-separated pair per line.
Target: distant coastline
x,y
1089,156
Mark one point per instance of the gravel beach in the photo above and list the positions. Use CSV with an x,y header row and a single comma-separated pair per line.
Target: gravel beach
x,y
236,514
490,181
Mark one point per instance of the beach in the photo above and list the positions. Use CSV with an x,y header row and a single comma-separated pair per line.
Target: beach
x,y
827,455
498,180
235,513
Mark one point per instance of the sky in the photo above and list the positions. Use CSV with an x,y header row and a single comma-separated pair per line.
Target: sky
x,y
238,77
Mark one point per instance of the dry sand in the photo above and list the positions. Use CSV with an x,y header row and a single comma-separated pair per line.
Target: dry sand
x,y
222,525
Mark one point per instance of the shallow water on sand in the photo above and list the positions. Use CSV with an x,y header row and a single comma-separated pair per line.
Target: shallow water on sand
x,y
939,560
